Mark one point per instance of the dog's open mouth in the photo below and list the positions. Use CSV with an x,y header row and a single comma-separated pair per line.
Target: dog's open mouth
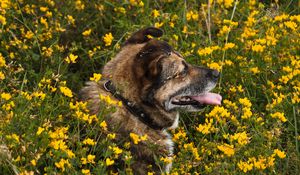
x,y
198,100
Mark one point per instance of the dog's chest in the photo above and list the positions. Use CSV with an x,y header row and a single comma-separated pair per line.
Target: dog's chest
x,y
169,143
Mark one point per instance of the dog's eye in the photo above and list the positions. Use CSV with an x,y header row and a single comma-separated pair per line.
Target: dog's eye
x,y
185,69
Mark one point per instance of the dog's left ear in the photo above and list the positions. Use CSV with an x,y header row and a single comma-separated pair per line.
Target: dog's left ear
x,y
141,36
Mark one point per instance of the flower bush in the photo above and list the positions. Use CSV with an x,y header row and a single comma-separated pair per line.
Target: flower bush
x,y
49,48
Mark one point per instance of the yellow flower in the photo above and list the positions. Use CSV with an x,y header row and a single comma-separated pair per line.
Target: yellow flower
x,y
254,70
226,3
33,162
242,138
229,46
158,24
27,173
248,32
136,138
83,160
86,171
247,113
14,137
190,146
155,13
58,145
245,102
79,5
2,20
70,19
226,149
29,34
136,3
103,125
44,22
109,162
70,153
245,166
214,65
180,135
207,50
62,163
116,150
43,9
47,51
8,106
59,133
108,38
191,15
166,159
258,48
110,101
111,136
120,9
71,58
89,141
40,130
290,24
96,77
207,127
2,76
279,115
87,32
2,61
228,62
5,96
91,158
66,91
280,154
224,30
144,137
48,14
260,163
40,95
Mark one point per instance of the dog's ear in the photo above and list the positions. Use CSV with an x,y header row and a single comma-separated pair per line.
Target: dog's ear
x,y
141,36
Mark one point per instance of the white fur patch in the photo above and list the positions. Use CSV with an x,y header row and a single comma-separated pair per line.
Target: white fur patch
x,y
168,167
175,124
170,145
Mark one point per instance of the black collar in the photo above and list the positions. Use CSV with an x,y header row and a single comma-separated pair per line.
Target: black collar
x,y
137,111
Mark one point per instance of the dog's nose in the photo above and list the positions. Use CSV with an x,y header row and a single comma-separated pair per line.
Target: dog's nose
x,y
212,73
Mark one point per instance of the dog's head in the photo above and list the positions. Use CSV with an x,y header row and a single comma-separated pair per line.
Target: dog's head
x,y
158,76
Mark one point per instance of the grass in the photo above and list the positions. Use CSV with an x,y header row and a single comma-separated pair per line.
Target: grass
x,y
50,48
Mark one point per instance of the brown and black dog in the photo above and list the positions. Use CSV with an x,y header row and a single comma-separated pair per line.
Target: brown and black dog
x,y
154,83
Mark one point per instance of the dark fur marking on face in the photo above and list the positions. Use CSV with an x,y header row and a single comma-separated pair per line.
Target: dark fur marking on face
x,y
141,36
153,51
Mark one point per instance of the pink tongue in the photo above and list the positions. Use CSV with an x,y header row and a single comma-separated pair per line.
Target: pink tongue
x,y
208,98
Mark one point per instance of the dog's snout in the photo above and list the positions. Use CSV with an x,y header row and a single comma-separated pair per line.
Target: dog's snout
x,y
214,74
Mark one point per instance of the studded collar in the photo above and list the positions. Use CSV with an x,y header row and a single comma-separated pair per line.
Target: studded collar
x,y
136,110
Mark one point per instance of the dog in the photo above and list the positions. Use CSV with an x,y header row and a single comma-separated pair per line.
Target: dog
x,y
154,83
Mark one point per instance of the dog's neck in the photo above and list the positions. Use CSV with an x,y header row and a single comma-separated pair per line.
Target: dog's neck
x,y
165,120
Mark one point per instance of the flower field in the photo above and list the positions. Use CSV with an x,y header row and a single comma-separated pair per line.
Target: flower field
x,y
49,48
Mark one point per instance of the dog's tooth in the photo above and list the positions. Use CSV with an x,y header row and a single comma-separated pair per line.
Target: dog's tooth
x,y
185,99
175,100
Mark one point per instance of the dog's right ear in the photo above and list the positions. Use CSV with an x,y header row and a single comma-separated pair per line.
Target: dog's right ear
x,y
141,36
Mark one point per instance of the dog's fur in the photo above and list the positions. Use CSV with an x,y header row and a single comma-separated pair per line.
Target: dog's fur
x,y
150,74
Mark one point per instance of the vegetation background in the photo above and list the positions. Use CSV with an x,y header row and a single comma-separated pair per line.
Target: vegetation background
x,y
49,48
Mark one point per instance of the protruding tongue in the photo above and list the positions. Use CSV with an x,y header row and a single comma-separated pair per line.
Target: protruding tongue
x,y
208,98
